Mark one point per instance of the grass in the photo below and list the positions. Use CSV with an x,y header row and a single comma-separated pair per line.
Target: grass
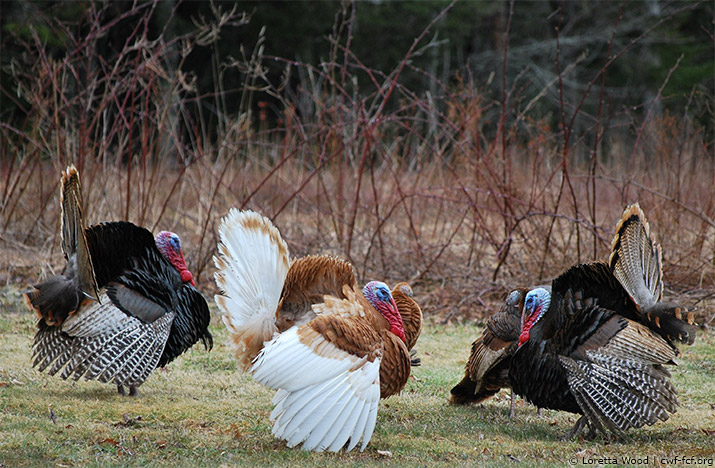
x,y
201,411
465,193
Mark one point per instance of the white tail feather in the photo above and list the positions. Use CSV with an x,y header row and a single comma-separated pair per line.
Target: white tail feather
x,y
252,264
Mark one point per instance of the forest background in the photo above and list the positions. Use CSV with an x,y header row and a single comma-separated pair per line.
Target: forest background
x,y
468,147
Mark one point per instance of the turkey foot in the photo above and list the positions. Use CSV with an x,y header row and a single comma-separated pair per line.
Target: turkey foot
x,y
414,358
511,405
132,390
577,428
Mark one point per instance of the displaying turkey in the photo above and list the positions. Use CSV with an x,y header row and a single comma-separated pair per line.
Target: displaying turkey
x,y
124,304
597,344
306,328
487,370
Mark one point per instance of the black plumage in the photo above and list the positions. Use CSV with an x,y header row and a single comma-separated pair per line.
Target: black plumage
x,y
597,343
145,316
598,364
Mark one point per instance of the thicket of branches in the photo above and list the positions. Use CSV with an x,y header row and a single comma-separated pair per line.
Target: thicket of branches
x,y
462,193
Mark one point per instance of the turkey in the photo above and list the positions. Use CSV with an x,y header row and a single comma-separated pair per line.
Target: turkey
x,y
411,314
307,329
598,342
487,370
124,305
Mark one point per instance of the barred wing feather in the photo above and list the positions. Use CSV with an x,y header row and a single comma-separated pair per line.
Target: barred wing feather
x,y
102,342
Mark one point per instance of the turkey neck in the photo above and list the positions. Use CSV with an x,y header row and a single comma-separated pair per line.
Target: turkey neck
x,y
393,319
550,323
396,326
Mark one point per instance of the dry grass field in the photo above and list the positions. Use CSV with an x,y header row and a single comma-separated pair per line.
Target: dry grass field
x,y
201,411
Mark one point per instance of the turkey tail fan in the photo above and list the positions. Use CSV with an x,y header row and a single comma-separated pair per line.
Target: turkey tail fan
x,y
74,241
252,266
60,295
636,258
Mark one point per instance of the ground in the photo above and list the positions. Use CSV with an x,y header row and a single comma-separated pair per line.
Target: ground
x,y
201,411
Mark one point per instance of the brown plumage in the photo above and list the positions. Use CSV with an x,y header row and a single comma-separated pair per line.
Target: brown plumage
x,y
306,329
487,369
308,280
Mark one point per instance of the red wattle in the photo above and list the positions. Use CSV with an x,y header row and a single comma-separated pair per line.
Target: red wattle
x,y
398,330
524,337
187,277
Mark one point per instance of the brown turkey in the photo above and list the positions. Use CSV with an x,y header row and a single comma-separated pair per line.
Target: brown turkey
x,y
487,370
598,342
124,304
305,328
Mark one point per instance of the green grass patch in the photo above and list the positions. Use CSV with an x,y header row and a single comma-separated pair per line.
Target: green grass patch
x,y
201,411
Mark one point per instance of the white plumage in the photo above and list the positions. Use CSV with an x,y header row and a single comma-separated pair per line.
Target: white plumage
x,y
325,356
323,400
252,267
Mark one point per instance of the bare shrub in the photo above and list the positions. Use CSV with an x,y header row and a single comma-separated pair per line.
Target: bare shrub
x,y
462,195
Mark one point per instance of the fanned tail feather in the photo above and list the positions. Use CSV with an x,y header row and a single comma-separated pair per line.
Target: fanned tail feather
x,y
636,261
252,266
74,240
636,258
671,321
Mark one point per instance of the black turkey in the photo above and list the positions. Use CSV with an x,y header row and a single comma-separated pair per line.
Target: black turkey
x,y
597,343
124,305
